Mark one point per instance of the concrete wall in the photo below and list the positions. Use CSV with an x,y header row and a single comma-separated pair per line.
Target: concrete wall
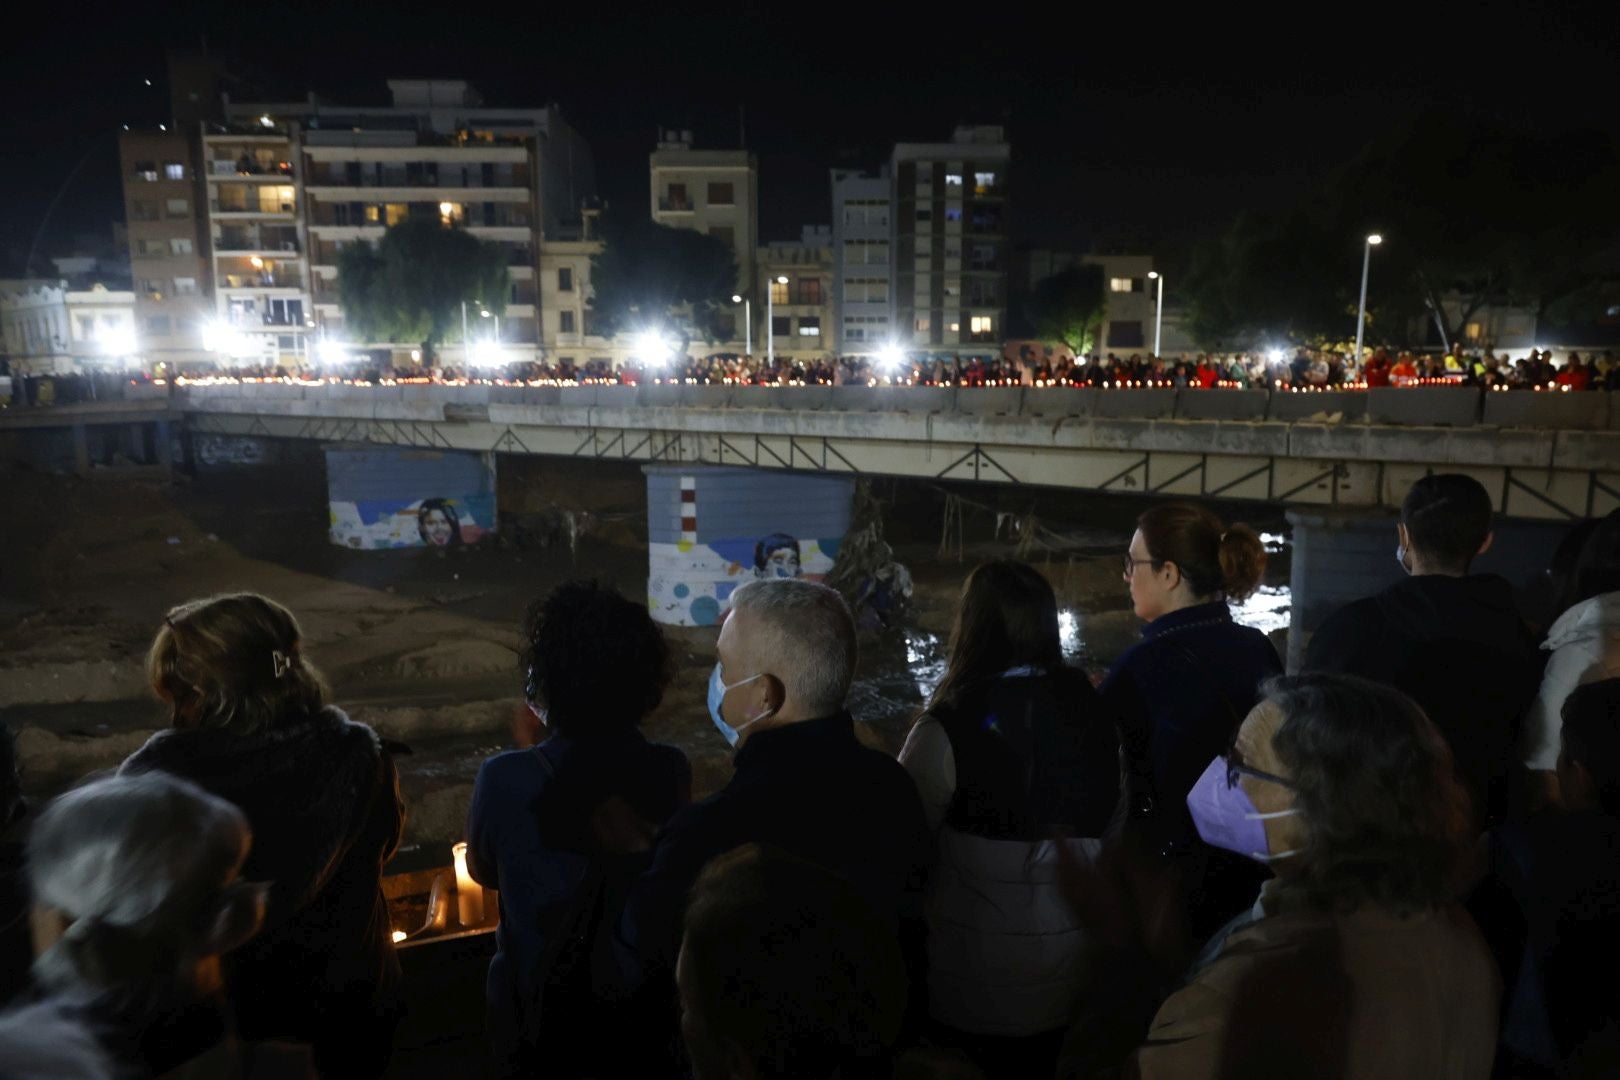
x,y
381,497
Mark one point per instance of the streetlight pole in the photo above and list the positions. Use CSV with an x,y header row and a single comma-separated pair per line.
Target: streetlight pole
x,y
1361,311
748,324
770,321
1158,317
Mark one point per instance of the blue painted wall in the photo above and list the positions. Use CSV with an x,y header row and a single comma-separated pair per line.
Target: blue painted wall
x,y
377,497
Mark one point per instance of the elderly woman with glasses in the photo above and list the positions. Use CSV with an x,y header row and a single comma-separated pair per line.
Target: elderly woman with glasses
x,y
1356,961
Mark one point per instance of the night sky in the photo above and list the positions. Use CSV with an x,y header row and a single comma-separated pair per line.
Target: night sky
x,y
1134,128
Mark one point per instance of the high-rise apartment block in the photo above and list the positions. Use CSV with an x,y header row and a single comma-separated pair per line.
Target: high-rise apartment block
x,y
863,279
951,250
168,249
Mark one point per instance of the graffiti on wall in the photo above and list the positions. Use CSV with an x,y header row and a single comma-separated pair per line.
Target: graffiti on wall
x,y
217,451
690,584
438,522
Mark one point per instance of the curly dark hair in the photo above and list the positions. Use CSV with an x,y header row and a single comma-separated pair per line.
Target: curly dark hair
x,y
595,661
1386,820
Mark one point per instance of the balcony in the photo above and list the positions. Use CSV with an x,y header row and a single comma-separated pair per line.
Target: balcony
x,y
248,167
253,243
260,281
248,320
676,206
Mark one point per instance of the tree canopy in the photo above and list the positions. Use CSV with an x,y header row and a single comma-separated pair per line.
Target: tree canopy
x,y
1467,210
410,286
651,276
1069,307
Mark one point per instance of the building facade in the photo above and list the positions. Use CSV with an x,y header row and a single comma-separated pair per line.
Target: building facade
x,y
511,176
863,280
950,248
1131,298
568,328
168,244
799,311
50,328
711,191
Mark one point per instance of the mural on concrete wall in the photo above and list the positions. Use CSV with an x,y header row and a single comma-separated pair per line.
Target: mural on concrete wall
x,y
381,499
712,530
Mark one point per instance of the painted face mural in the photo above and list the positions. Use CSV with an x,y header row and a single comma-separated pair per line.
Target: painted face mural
x,y
777,556
438,524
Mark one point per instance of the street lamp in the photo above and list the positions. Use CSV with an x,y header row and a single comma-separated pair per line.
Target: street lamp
x,y
770,321
1158,317
1361,312
748,324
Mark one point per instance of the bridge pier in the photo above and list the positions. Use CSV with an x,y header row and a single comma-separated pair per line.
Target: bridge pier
x,y
1340,556
81,449
710,529
391,497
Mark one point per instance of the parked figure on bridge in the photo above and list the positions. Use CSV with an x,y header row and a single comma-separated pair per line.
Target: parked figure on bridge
x,y
1180,693
1452,639
252,725
1014,749
803,780
550,822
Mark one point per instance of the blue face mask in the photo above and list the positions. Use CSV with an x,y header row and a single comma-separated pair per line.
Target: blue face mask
x,y
717,694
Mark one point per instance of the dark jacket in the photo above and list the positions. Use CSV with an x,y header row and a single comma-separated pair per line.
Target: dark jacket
x,y
323,801
16,940
1180,694
811,788
528,836
1458,646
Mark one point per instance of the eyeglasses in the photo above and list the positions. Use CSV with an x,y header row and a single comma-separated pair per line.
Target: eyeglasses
x,y
1131,564
1236,768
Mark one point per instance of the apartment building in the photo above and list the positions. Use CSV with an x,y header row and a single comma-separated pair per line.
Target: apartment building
x,y
863,281
168,246
799,314
515,177
950,242
568,330
712,191
1131,297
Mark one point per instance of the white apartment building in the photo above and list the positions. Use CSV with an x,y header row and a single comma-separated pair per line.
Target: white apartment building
x,y
512,176
712,191
950,243
567,322
260,267
863,279
49,328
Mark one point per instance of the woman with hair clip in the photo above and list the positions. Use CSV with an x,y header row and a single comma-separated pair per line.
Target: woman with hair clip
x,y
252,725
136,898
1181,692
1013,752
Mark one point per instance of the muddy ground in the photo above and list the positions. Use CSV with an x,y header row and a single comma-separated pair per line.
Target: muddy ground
x,y
425,647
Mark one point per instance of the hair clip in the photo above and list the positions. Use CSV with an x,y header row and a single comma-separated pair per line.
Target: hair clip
x,y
281,661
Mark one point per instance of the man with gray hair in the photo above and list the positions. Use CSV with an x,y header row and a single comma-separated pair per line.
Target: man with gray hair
x,y
802,780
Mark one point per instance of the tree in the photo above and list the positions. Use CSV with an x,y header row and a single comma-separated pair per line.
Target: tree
x,y
653,277
1470,213
411,285
1069,307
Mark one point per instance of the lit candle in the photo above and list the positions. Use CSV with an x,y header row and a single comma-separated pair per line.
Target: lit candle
x,y
469,894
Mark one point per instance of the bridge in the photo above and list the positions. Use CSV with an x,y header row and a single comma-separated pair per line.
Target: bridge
x,y
1544,456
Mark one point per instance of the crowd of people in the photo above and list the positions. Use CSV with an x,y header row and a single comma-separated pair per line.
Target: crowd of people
x,y
1403,861
1275,370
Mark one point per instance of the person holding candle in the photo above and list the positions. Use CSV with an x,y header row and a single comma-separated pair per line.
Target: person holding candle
x,y
574,814
252,725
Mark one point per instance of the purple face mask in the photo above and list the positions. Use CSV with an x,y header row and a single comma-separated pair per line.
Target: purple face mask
x,y
1226,817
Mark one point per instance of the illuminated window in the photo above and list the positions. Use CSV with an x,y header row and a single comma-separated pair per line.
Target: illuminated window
x,y
173,170
983,182
779,292
953,179
956,327
180,246
810,326
1474,331
276,199
395,212
981,324
146,170
953,213
151,248
1119,284
922,324
373,213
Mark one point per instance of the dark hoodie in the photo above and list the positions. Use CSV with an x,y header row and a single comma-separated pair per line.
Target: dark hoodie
x,y
323,801
1457,646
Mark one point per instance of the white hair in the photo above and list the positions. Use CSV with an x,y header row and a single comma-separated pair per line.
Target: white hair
x,y
145,868
42,1040
803,634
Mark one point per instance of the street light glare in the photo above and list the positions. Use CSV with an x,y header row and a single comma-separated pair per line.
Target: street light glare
x,y
1153,275
735,299
653,348
1375,238
891,357
782,280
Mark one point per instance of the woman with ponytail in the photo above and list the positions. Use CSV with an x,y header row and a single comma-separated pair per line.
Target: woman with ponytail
x,y
1181,692
251,724
136,897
